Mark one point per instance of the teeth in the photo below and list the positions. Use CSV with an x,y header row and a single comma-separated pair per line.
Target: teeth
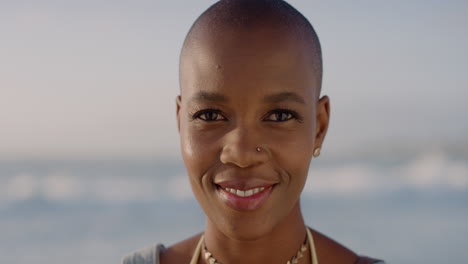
x,y
245,193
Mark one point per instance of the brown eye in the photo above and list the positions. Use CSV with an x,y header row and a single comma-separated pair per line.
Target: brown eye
x,y
281,115
209,115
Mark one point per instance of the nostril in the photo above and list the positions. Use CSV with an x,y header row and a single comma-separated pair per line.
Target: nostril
x,y
244,155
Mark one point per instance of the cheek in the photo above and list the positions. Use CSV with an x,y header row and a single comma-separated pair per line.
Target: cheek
x,y
198,150
293,151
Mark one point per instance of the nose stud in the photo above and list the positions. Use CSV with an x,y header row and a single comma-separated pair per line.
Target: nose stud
x,y
258,149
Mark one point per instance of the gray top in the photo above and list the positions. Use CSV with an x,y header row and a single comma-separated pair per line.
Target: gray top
x,y
150,255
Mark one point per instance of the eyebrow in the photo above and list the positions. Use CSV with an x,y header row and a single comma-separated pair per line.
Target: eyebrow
x,y
273,98
284,96
209,96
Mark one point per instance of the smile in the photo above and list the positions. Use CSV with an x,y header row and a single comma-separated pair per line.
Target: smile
x,y
245,193
244,200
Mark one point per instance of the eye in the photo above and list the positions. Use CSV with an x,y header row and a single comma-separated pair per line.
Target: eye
x,y
282,115
208,115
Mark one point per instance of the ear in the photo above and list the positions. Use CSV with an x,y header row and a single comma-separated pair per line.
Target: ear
x,y
178,105
323,118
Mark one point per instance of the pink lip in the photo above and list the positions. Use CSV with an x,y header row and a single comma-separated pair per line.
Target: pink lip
x,y
244,203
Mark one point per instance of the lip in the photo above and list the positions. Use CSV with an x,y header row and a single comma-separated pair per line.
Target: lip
x,y
249,203
240,184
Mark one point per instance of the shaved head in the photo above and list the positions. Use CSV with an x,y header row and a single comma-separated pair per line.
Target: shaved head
x,y
243,20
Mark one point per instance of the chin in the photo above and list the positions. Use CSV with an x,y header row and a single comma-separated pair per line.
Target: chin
x,y
246,226
247,230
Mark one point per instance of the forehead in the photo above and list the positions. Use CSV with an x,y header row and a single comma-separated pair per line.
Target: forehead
x,y
255,62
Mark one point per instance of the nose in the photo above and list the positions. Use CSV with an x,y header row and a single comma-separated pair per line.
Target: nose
x,y
243,148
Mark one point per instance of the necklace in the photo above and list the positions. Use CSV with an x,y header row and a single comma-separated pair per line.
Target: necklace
x,y
294,260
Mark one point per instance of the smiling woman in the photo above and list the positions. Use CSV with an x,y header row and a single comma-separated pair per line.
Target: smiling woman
x,y
251,119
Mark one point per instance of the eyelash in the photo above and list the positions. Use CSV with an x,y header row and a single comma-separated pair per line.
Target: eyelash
x,y
294,114
200,113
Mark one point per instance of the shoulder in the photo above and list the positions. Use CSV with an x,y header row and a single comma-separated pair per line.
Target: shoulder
x,y
330,251
180,252
159,254
147,255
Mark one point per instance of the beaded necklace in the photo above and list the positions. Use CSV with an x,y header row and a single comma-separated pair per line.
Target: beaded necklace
x,y
294,260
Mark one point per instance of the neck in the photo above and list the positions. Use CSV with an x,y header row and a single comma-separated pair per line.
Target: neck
x,y
276,246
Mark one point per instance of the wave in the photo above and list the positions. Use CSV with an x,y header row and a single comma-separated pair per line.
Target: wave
x,y
430,172
433,171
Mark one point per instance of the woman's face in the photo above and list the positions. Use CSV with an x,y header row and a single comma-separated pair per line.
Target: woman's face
x,y
238,94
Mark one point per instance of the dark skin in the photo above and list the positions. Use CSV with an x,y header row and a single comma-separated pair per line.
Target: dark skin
x,y
240,92
328,251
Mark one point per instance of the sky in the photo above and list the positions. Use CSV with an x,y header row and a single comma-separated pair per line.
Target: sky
x,y
89,78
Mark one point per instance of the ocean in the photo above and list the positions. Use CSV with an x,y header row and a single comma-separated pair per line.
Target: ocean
x,y
412,209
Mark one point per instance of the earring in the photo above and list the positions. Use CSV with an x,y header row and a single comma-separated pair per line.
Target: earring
x,y
317,152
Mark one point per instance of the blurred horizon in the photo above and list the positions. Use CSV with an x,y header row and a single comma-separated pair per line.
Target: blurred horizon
x,y
400,210
431,173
